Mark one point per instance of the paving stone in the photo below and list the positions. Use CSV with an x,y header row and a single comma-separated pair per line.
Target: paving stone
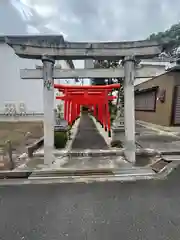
x,y
96,162
148,138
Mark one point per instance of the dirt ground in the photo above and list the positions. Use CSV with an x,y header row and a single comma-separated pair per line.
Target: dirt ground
x,y
20,134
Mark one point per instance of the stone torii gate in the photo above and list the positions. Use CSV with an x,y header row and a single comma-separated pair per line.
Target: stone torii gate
x,y
49,51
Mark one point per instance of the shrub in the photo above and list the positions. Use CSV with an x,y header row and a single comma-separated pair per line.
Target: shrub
x,y
60,139
113,117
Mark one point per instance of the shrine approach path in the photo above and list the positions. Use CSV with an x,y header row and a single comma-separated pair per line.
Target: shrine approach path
x,y
87,136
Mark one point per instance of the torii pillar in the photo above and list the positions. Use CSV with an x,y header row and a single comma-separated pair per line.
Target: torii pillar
x,y
48,99
129,109
88,64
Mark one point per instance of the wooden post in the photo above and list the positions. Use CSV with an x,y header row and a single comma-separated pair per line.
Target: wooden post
x,y
9,151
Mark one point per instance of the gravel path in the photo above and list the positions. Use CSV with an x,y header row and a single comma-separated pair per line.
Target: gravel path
x,y
88,136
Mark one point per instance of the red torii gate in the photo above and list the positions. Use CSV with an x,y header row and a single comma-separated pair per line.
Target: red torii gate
x,y
95,97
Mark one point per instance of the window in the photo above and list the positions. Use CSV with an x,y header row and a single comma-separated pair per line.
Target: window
x,y
145,100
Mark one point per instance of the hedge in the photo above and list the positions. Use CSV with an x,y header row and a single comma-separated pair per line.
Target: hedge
x,y
60,139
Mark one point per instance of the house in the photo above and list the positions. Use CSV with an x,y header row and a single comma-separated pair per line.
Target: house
x,y
157,100
15,91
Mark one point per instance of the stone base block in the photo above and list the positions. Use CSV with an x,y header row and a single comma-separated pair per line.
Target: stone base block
x,y
118,137
118,134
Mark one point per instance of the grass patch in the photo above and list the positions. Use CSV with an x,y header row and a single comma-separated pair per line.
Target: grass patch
x,y
16,132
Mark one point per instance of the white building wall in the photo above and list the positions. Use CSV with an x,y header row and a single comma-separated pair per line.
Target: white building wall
x,y
161,67
15,90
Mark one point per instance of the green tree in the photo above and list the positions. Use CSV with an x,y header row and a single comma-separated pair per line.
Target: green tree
x,y
170,37
104,64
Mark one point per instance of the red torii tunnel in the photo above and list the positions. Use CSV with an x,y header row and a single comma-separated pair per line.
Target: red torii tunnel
x,y
96,98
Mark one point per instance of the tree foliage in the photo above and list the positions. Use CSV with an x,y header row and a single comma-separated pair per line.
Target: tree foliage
x,y
105,64
171,37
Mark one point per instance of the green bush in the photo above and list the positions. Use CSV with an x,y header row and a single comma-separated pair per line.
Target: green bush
x,y
60,139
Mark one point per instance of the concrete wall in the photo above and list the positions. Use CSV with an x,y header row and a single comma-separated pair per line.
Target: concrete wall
x,y
15,90
162,116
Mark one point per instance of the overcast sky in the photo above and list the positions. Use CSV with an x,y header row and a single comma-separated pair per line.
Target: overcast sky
x,y
80,20
84,20
88,20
